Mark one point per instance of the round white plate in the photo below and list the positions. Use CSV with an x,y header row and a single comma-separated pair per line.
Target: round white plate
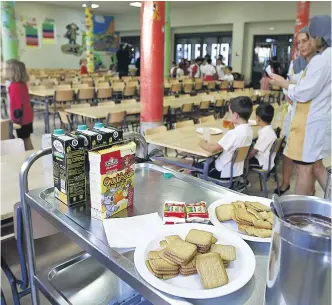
x,y
252,122
213,131
231,224
239,272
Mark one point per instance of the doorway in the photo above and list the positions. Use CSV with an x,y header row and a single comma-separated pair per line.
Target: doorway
x,y
268,47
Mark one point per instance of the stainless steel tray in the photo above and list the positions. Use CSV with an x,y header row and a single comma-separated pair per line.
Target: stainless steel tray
x,y
81,280
151,190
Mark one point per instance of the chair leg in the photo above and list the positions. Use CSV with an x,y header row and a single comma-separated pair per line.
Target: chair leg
x,y
3,300
260,182
277,181
12,281
265,186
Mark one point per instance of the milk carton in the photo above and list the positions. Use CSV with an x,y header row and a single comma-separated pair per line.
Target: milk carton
x,y
112,179
68,168
109,134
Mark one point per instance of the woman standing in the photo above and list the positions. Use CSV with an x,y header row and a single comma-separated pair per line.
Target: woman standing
x,y
309,139
305,51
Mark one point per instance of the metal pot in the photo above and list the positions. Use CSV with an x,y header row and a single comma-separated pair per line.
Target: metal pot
x,y
299,268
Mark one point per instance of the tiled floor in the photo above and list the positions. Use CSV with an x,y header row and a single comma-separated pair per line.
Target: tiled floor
x,y
55,248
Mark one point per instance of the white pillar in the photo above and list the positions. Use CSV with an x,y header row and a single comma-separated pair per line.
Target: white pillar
x,y
237,46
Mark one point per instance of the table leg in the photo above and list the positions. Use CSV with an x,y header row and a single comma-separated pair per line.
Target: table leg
x,y
47,116
54,114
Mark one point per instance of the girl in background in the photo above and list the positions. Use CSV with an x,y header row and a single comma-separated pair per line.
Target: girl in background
x,y
19,100
84,69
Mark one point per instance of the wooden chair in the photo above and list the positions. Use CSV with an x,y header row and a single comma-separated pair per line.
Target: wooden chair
x,y
219,107
61,100
5,130
117,119
204,108
83,105
104,93
129,102
238,84
62,87
184,96
117,89
127,78
187,87
183,124
239,183
65,82
133,83
66,122
88,82
11,146
185,112
207,119
48,84
129,91
211,85
224,85
85,94
198,86
176,88
102,84
271,172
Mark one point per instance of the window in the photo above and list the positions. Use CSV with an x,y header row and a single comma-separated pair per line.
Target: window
x,y
192,45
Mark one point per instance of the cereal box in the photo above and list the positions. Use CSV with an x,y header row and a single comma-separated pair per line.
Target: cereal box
x,y
68,168
112,173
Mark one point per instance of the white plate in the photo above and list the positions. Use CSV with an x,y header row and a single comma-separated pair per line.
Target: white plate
x,y
213,131
231,224
252,122
239,272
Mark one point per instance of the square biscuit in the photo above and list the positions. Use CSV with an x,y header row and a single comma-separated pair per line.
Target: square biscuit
x,y
211,270
261,224
177,260
227,253
153,255
147,263
224,212
160,264
165,258
238,204
163,243
259,207
172,237
181,249
199,238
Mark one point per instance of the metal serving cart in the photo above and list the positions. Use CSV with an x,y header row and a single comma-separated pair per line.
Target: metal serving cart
x,y
103,275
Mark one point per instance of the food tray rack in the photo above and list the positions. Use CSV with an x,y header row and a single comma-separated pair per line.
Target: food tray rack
x,y
151,190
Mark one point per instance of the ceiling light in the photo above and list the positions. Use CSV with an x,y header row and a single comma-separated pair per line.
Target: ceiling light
x,y
272,28
135,4
93,5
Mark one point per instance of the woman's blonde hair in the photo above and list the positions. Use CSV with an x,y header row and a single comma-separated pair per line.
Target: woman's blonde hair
x,y
16,71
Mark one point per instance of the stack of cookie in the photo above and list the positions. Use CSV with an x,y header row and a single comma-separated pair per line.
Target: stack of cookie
x,y
253,218
188,257
201,239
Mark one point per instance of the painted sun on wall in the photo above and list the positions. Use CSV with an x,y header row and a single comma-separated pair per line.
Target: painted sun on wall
x,y
105,37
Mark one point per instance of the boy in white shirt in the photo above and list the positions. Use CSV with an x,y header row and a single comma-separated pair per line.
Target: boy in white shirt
x,y
259,156
209,71
228,74
202,68
172,72
240,109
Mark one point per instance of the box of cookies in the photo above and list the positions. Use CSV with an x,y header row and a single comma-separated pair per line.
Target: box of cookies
x,y
112,173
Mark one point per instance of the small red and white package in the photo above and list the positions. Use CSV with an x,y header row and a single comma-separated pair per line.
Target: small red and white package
x,y
197,212
174,212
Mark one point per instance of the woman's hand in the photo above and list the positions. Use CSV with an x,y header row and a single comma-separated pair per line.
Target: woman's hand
x,y
277,80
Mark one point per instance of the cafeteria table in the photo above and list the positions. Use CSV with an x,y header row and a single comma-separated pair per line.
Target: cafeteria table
x,y
151,190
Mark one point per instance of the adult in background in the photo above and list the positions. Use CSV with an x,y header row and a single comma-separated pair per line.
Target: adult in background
x,y
305,51
123,58
309,139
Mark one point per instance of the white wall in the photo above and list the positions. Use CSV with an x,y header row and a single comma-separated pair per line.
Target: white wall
x,y
48,56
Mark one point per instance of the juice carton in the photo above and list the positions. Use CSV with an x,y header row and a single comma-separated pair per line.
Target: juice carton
x,y
109,134
68,168
112,173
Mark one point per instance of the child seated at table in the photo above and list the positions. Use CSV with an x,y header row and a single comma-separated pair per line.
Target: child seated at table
x,y
19,100
240,109
259,156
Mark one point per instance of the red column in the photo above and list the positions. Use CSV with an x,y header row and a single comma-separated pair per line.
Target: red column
x,y
302,20
152,63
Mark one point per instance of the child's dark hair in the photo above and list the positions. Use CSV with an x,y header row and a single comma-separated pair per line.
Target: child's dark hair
x,y
241,105
173,63
209,61
266,112
230,68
